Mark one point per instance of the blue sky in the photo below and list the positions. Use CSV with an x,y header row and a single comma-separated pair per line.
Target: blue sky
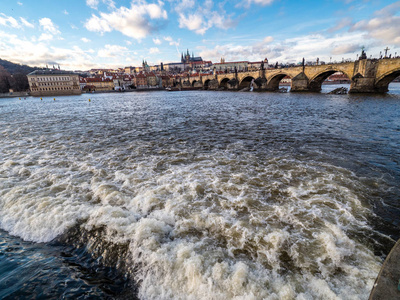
x,y
84,34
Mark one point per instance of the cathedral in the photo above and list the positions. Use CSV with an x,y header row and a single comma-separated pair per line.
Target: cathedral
x,y
187,59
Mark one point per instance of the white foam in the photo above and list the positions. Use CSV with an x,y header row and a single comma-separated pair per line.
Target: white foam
x,y
225,226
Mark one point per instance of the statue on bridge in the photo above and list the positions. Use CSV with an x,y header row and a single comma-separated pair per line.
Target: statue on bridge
x,y
363,53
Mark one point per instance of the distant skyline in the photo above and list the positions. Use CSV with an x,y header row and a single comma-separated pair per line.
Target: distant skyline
x,y
85,34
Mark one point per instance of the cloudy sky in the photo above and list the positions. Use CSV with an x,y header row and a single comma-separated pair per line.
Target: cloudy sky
x,y
84,34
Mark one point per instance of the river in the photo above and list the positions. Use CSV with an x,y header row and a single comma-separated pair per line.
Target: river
x,y
198,195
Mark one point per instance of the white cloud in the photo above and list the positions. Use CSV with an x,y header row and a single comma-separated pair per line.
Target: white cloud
x,y
385,27
389,10
290,50
38,53
65,12
154,50
85,40
45,37
345,49
20,3
98,24
192,22
11,22
136,22
48,25
22,51
26,23
171,41
112,51
157,41
8,21
375,33
247,3
261,2
203,17
342,23
92,3
268,39
184,5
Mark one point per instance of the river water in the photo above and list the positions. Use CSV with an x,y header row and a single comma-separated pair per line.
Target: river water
x,y
198,195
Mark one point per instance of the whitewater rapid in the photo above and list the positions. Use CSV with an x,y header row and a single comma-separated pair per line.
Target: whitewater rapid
x,y
187,219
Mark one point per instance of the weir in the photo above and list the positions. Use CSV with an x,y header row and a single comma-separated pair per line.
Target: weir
x,y
387,284
366,76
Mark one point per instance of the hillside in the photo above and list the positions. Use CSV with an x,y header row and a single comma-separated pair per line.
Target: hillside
x,y
13,76
13,68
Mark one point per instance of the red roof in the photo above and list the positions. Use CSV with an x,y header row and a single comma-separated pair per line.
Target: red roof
x,y
94,79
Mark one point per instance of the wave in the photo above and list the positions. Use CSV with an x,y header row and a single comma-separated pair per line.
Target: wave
x,y
213,224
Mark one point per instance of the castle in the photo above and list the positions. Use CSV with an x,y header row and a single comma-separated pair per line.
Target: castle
x,y
187,59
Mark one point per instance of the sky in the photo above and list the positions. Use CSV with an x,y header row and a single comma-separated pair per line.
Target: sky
x,y
85,34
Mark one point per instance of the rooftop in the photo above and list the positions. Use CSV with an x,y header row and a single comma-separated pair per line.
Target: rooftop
x,y
52,72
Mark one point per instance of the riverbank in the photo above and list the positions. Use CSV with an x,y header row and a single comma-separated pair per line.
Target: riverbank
x,y
14,94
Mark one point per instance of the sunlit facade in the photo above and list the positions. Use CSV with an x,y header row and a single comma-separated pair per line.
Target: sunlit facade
x,y
53,82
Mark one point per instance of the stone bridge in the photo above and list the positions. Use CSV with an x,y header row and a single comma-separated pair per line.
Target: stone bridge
x,y
366,76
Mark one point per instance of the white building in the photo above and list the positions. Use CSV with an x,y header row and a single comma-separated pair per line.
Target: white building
x,y
53,82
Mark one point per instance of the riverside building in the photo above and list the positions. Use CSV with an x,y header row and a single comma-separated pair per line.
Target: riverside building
x,y
53,82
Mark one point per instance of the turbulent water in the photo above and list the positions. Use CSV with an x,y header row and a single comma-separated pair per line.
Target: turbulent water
x,y
198,195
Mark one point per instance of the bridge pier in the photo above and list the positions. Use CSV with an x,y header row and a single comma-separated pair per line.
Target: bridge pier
x,y
364,85
300,83
363,80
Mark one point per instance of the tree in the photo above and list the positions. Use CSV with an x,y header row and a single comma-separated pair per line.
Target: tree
x,y
5,80
20,82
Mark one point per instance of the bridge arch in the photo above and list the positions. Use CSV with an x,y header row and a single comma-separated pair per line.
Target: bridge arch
x,y
194,82
246,81
382,83
316,81
206,84
224,83
273,82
